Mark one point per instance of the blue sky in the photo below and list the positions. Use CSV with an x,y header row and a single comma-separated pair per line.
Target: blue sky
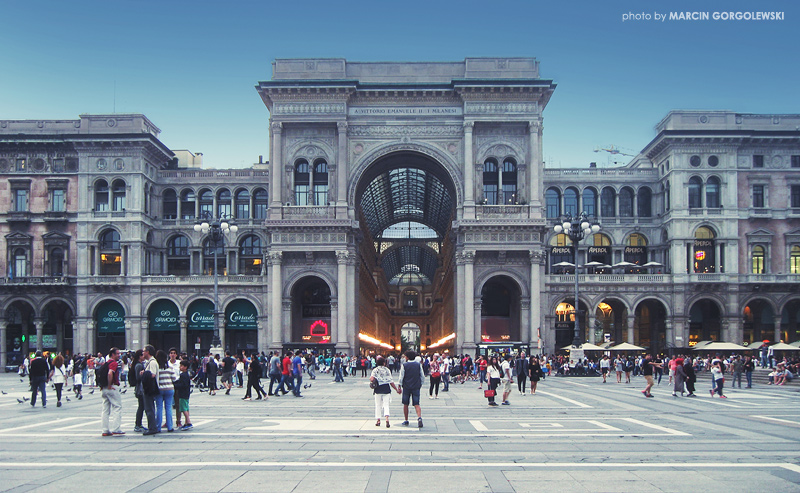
x,y
191,67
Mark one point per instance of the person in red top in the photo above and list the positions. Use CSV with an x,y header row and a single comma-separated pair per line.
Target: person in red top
x,y
287,380
482,364
112,399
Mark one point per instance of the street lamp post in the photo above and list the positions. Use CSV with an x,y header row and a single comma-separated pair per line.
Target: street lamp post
x,y
576,228
216,228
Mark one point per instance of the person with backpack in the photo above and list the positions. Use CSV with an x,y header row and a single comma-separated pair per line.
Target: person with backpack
x,y
337,368
411,378
39,375
107,378
148,379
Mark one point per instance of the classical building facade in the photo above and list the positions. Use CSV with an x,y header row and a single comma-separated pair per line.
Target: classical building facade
x,y
400,199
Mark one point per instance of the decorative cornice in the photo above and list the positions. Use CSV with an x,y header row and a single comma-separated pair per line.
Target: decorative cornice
x,y
274,257
308,108
276,127
506,108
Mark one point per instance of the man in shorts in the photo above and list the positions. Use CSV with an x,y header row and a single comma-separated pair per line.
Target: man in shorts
x,y
506,378
411,378
228,367
647,371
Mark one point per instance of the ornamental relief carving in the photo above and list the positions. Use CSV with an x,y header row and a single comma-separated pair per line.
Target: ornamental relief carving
x,y
507,147
308,108
310,149
501,108
400,130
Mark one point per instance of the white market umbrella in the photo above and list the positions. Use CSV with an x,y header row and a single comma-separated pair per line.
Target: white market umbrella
x,y
720,346
564,264
782,346
595,264
586,347
625,347
653,264
624,264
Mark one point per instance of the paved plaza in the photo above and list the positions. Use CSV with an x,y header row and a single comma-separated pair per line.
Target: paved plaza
x,y
575,434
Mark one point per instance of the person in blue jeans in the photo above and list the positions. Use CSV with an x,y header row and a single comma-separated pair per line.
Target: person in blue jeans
x,y
166,392
39,373
297,372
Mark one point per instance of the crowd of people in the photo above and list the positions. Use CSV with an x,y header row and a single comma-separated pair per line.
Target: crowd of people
x,y
163,380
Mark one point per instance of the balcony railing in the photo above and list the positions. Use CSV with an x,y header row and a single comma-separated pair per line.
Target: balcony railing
x,y
777,278
203,280
308,212
502,211
39,281
610,278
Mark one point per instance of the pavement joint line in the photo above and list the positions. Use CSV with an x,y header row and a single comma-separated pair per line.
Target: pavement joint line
x,y
566,399
17,428
657,427
383,465
369,435
769,418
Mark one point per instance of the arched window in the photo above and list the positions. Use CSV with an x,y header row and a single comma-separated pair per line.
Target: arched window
x,y
170,207
758,256
20,263
118,194
590,201
188,205
703,259
243,204
645,202
260,203
571,202
667,203
302,182
794,260
553,201
695,192
320,182
250,256
626,202
178,256
224,208
712,193
608,198
491,181
560,252
208,258
599,251
206,203
56,262
110,254
509,180
101,195
636,249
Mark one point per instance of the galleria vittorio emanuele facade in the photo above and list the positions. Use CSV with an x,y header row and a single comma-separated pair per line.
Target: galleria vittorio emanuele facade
x,y
399,198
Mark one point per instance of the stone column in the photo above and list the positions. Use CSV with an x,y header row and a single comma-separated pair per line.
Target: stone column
x,y
90,339
536,259
352,316
342,167
3,344
276,294
461,304
341,340
286,320
184,343
39,324
525,333
672,333
535,166
477,306
129,335
590,319
334,323
469,172
276,170
777,325
144,332
469,298
631,321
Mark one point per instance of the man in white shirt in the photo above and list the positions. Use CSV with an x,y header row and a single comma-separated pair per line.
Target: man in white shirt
x,y
446,373
506,379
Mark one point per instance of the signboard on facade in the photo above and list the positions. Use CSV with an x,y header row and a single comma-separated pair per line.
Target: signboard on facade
x,y
201,315
241,315
163,316
110,317
575,355
405,111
